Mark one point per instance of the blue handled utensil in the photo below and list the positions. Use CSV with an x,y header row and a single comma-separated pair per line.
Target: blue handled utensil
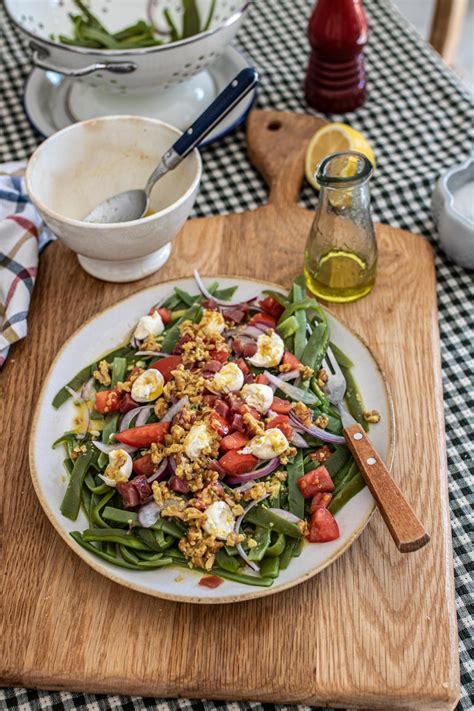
x,y
133,204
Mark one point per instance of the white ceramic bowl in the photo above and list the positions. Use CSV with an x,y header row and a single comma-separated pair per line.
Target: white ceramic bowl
x,y
78,167
455,229
127,69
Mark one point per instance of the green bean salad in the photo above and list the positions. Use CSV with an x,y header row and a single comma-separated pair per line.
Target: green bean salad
x,y
207,440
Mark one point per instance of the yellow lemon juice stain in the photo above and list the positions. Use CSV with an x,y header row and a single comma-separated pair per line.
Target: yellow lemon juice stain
x,y
340,276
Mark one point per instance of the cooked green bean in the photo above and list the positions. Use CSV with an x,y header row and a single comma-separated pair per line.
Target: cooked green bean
x,y
316,348
261,516
96,517
341,357
114,535
300,315
288,327
119,370
270,567
287,554
354,399
227,562
244,579
262,538
347,492
72,498
295,497
337,460
277,547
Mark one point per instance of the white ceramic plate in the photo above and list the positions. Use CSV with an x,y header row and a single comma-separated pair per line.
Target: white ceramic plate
x,y
103,333
50,103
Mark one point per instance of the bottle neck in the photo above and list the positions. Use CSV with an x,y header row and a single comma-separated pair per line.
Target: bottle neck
x,y
337,29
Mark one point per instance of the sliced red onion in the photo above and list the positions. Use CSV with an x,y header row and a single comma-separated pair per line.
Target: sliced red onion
x,y
252,331
172,464
107,448
295,393
133,342
174,409
317,431
238,523
286,515
245,487
156,354
143,415
291,375
160,473
256,473
88,390
72,392
129,416
148,514
298,440
208,294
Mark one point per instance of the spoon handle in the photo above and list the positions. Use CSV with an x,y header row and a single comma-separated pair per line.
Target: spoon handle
x,y
229,97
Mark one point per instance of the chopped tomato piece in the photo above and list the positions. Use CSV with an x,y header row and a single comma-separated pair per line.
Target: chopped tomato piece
x,y
145,435
236,440
262,379
107,401
211,581
144,465
243,366
291,360
235,463
272,307
164,313
323,527
320,500
262,319
281,407
322,454
219,424
314,481
222,356
282,423
178,484
166,366
244,409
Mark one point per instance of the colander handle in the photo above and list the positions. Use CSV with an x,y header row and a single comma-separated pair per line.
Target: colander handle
x,y
239,87
38,58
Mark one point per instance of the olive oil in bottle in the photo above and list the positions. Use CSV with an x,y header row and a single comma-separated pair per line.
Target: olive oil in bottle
x,y
341,252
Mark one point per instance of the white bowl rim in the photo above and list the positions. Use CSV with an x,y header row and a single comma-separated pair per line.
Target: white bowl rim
x,y
88,51
108,226
448,195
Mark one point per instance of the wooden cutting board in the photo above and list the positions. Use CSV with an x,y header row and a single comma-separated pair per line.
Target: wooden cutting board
x,y
377,629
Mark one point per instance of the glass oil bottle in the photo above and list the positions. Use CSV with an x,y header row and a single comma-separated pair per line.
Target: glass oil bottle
x,y
341,251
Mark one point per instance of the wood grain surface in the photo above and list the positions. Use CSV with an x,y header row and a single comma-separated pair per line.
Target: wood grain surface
x,y
377,629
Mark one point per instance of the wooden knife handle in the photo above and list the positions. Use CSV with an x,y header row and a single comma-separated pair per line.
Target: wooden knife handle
x,y
403,524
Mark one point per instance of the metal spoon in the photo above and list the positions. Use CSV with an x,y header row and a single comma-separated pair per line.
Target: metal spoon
x,y
133,204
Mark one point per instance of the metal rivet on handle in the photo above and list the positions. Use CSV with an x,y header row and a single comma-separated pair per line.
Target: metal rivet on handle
x,y
358,435
371,460
234,83
190,130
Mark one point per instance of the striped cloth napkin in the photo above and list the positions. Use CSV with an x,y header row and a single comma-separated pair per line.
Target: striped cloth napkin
x,y
22,237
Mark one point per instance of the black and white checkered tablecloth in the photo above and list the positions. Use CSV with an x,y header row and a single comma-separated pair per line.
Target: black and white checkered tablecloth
x,y
418,119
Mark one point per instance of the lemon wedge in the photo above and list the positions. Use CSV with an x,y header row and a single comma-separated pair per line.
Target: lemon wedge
x,y
334,138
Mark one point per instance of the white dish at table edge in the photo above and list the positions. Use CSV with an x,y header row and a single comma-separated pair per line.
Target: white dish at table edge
x,y
110,328
49,117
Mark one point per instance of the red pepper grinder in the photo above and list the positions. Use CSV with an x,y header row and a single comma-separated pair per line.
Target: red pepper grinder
x,y
335,80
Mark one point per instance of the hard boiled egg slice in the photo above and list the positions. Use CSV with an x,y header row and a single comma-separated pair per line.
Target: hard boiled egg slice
x,y
119,468
258,396
229,379
150,325
212,322
270,350
271,443
220,520
148,386
197,440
